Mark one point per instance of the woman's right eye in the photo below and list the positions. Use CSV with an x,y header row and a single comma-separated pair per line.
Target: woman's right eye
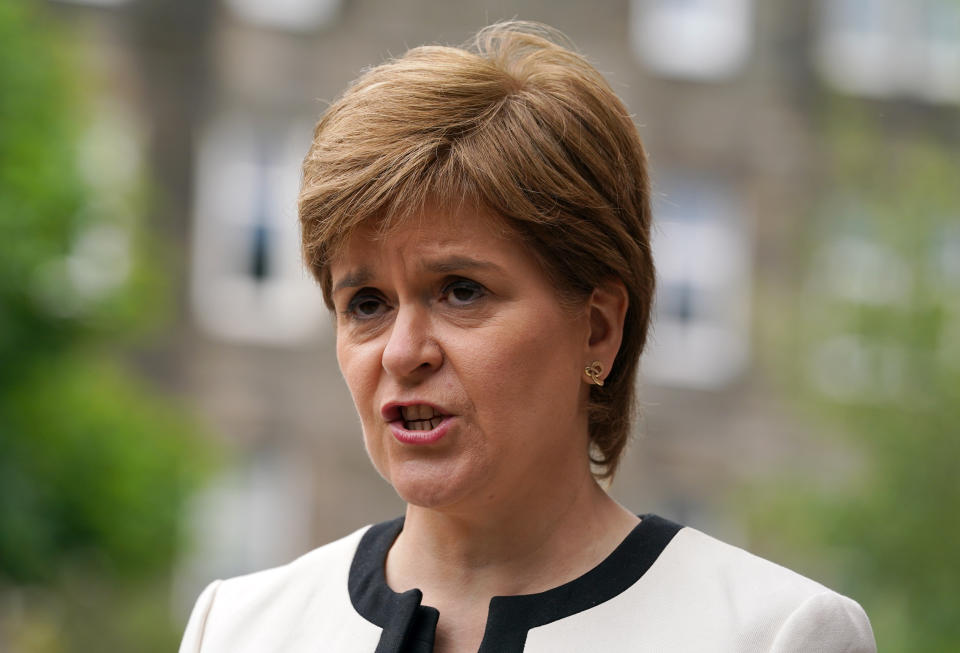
x,y
366,305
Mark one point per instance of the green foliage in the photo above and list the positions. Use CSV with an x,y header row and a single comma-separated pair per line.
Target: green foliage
x,y
41,194
101,468
51,214
890,381
83,613
95,467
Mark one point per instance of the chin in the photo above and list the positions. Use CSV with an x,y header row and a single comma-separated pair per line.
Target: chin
x,y
435,485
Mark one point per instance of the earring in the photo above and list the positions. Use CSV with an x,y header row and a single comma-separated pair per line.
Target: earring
x,y
593,372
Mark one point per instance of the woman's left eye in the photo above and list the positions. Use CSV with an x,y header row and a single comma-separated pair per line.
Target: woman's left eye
x,y
463,292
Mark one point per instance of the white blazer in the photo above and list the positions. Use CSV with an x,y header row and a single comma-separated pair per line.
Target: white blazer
x,y
665,588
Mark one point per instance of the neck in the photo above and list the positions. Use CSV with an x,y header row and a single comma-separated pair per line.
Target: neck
x,y
543,538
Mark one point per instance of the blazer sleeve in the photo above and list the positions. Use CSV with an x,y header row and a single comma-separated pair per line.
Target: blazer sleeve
x,y
193,635
826,623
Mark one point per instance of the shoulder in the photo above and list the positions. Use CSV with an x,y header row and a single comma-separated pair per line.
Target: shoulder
x,y
327,564
774,607
688,591
235,614
826,622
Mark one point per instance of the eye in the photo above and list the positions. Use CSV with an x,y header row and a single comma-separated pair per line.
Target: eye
x,y
367,304
463,292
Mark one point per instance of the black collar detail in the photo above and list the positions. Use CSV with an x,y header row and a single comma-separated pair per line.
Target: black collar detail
x,y
409,627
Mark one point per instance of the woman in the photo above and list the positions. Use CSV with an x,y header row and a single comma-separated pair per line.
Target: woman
x,y
479,221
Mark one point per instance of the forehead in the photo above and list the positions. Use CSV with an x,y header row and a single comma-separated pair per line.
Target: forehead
x,y
432,231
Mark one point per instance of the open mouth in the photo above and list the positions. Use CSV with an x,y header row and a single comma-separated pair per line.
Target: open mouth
x,y
420,417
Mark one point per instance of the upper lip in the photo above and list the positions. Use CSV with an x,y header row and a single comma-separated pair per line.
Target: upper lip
x,y
391,411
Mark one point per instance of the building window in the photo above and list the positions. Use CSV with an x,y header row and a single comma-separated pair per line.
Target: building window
x,y
703,40
248,282
702,247
890,48
288,15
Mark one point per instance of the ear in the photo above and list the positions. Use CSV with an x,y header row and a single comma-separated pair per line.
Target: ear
x,y
607,309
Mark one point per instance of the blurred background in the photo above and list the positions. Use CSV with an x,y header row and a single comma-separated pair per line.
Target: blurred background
x,y
170,407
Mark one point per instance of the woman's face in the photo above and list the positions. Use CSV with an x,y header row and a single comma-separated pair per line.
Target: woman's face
x,y
464,367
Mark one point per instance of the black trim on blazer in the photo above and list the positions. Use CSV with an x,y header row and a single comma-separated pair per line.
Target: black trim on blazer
x,y
409,627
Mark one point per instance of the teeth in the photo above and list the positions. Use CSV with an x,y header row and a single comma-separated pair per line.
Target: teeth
x,y
422,424
417,412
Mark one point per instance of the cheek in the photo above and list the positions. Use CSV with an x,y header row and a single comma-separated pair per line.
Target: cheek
x,y
527,376
358,368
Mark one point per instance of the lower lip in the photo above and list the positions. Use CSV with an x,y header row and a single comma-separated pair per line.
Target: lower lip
x,y
405,436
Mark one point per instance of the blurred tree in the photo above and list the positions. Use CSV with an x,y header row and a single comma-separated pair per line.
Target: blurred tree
x,y
95,468
875,341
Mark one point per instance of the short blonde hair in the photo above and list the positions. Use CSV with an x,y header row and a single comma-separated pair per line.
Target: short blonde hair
x,y
521,125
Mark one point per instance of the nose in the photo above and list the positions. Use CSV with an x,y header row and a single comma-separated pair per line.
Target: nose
x,y
411,351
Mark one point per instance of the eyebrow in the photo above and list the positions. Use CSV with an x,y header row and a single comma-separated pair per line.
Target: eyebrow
x,y
364,275
459,263
354,279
